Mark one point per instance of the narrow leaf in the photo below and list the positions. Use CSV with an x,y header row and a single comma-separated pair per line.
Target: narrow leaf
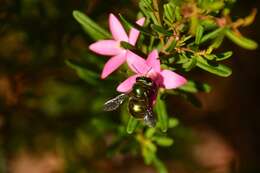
x,y
217,69
199,33
159,166
212,34
85,74
162,114
92,29
163,141
194,87
161,30
241,41
132,124
224,56
136,26
173,122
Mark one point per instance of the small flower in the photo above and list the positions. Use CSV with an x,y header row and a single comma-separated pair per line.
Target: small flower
x,y
112,47
150,68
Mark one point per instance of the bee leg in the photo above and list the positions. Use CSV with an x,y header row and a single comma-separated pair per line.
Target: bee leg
x,y
149,119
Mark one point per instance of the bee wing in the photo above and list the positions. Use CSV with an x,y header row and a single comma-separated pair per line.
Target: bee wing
x,y
149,118
114,103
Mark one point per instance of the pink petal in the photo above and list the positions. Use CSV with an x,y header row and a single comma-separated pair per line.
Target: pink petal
x,y
134,33
136,63
112,64
153,61
127,85
106,47
117,29
172,80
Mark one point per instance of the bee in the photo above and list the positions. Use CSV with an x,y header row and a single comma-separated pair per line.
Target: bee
x,y
140,100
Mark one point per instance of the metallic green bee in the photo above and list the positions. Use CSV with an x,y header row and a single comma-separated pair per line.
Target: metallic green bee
x,y
139,100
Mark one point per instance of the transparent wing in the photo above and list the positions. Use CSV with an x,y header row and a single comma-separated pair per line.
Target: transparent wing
x,y
114,103
149,118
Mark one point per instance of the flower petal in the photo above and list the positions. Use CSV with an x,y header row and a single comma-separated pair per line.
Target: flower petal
x,y
134,33
172,80
127,85
136,63
112,64
153,61
106,47
117,29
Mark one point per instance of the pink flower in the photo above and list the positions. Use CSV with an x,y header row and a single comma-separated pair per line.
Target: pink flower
x,y
112,47
150,68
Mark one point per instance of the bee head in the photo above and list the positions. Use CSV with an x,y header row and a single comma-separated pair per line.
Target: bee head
x,y
144,80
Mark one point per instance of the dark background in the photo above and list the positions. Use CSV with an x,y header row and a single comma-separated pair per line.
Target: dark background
x,y
35,39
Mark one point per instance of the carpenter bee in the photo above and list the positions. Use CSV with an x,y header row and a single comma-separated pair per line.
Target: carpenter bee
x,y
140,100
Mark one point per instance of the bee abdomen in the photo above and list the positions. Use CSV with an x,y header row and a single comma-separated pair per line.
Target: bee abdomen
x,y
137,107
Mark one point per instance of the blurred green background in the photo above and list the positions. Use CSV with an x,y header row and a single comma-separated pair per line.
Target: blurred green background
x,y
51,121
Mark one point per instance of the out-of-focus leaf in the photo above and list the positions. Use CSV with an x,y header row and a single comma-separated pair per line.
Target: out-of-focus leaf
x,y
160,167
148,155
194,87
217,69
217,5
241,41
173,122
250,18
162,114
150,132
85,74
132,124
163,141
92,29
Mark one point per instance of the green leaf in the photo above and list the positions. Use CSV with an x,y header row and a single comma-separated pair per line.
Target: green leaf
x,y
162,114
217,69
171,46
194,87
85,74
136,26
127,45
214,6
92,29
169,12
132,124
178,13
199,33
212,34
224,56
189,64
161,30
159,166
150,132
163,141
148,155
241,41
173,122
